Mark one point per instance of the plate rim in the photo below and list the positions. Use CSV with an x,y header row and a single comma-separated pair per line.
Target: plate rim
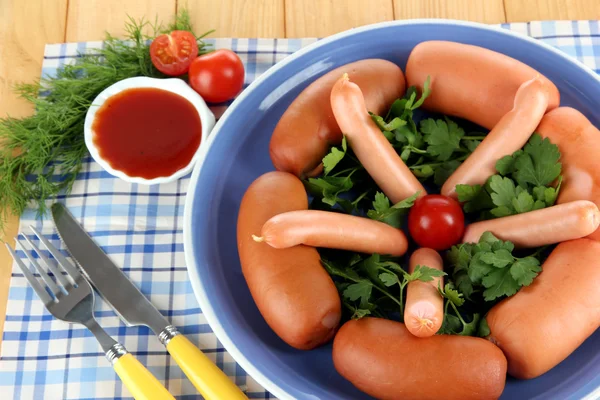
x,y
192,266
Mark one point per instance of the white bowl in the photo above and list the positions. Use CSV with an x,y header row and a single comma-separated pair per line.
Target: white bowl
x,y
174,85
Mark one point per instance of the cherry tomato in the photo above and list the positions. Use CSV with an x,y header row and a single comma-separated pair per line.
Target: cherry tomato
x,y
217,76
173,53
436,221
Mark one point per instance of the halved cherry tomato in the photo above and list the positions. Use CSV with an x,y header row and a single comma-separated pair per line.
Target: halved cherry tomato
x,y
217,76
436,221
173,53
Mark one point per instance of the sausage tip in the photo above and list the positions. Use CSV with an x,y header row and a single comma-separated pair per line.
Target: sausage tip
x,y
258,239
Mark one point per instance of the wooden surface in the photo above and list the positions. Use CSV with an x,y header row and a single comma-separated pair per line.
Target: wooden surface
x,y
27,25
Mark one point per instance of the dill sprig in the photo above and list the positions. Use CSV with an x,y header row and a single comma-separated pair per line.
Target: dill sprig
x,y
41,155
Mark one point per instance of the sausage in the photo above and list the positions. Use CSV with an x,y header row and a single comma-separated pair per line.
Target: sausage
x,y
370,146
383,359
559,223
424,310
508,135
470,82
292,291
307,128
333,230
579,143
545,322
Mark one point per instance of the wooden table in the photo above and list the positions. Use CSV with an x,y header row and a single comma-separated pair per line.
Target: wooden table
x,y
27,25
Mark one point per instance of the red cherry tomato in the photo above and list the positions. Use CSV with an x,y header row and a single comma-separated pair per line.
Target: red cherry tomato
x,y
217,76
436,221
173,53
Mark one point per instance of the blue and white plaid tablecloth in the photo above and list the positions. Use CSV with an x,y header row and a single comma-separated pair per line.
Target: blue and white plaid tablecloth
x,y
140,227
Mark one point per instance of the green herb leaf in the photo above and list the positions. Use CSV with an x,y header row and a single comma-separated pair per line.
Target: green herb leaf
x,y
525,270
389,279
468,193
424,274
484,329
390,215
503,191
499,283
506,165
426,92
478,268
470,328
499,258
334,157
443,137
451,325
523,202
452,295
464,284
538,165
360,290
360,313
330,187
443,171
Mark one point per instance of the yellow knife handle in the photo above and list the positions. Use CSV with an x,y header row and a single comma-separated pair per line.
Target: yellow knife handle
x,y
211,382
140,382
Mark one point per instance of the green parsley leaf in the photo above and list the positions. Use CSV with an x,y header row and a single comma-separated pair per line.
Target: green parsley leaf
x,y
503,191
389,279
468,192
538,165
390,215
464,284
478,269
360,313
330,187
443,172
423,172
474,198
470,328
334,157
360,290
523,202
525,270
499,283
387,126
484,329
460,256
442,136
452,295
426,92
471,145
451,325
506,165
424,274
499,258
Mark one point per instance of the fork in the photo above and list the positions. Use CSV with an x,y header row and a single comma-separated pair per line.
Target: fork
x,y
74,303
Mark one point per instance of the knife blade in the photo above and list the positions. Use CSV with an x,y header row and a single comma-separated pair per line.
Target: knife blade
x,y
108,279
135,309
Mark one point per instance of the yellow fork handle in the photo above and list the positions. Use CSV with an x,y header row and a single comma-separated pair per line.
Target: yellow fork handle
x,y
211,382
140,382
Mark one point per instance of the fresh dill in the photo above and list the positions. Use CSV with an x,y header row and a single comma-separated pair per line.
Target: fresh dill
x,y
41,155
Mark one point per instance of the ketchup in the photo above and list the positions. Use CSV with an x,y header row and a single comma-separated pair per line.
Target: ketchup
x,y
147,132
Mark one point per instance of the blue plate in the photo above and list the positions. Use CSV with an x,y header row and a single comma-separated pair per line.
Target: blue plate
x,y
237,153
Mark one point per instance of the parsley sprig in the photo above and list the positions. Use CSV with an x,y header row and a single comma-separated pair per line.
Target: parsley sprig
x,y
524,182
366,284
491,267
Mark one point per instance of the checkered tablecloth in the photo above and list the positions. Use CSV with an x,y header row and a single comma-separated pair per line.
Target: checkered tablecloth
x,y
140,227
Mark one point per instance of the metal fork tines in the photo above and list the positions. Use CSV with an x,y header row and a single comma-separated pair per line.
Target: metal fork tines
x,y
70,298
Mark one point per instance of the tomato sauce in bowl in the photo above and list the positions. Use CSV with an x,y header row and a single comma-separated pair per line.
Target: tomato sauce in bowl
x,y
147,132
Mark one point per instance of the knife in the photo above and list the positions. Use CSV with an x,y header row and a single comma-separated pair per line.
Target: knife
x,y
135,309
